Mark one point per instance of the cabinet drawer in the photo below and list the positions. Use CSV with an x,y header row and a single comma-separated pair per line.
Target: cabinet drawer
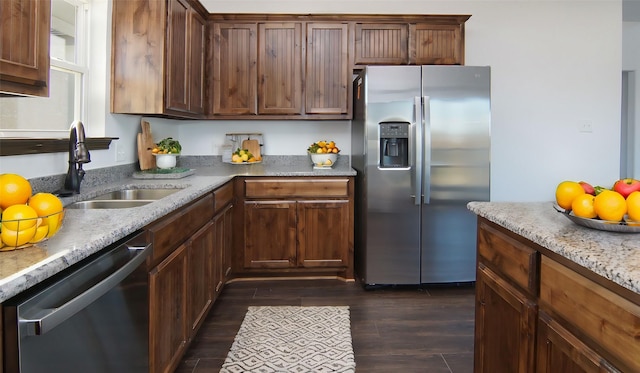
x,y
608,319
509,257
314,188
223,195
171,231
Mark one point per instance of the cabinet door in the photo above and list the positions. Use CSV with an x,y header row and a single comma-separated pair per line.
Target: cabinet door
x,y
505,326
167,311
202,261
433,44
177,78
196,38
227,243
381,44
560,351
270,234
24,46
327,74
323,233
235,77
280,68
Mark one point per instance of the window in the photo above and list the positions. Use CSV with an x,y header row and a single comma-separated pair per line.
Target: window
x,y
69,67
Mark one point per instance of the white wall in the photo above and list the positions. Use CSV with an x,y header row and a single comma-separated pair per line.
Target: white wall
x,y
554,64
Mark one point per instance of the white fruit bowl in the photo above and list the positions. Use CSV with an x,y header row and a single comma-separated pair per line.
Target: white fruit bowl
x,y
166,160
320,159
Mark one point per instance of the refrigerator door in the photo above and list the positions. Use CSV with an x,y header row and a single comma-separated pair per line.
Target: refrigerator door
x,y
457,124
392,211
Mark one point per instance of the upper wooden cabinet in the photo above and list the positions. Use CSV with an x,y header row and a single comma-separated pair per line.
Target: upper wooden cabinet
x,y
280,70
413,40
158,58
328,75
24,47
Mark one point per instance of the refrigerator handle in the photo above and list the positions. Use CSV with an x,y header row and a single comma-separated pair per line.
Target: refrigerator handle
x,y
426,141
417,149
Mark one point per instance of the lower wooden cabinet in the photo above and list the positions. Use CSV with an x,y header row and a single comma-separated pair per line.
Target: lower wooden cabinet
x,y
505,325
168,311
296,225
539,312
189,267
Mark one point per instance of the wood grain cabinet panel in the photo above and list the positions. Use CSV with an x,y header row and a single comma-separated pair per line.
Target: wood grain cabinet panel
x,y
24,47
168,319
327,71
322,228
203,263
601,315
381,43
158,58
280,68
235,77
270,234
505,326
434,44
560,351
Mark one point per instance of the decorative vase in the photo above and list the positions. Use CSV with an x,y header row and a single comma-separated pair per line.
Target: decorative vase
x,y
166,160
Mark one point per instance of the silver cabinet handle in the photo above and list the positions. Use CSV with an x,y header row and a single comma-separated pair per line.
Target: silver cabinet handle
x,y
58,315
417,148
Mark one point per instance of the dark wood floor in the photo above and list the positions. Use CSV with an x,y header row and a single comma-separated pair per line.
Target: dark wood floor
x,y
393,329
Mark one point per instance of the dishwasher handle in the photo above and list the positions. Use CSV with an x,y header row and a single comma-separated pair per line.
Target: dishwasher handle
x,y
56,316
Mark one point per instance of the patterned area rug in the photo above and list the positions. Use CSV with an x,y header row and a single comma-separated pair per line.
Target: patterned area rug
x,y
292,339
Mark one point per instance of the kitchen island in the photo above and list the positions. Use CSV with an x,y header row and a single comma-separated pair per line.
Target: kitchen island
x,y
86,232
552,295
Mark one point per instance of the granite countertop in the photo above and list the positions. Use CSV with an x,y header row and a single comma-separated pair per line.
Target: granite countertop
x,y
614,256
85,232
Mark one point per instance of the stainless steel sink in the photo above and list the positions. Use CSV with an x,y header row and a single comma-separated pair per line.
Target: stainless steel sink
x,y
107,204
136,194
125,198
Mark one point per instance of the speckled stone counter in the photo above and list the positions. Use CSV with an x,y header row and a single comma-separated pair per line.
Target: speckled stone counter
x,y
85,232
614,256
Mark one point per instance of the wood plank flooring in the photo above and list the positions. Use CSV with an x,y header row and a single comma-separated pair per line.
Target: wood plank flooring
x,y
408,329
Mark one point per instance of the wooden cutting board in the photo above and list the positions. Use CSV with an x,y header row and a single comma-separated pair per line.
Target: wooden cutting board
x,y
145,145
253,146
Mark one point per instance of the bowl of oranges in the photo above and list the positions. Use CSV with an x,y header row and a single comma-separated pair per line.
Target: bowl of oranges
x,y
615,209
26,218
323,153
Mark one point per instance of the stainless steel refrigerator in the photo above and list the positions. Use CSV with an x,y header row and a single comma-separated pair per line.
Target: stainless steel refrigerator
x,y
421,147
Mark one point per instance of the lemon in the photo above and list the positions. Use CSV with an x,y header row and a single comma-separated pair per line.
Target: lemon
x,y
19,217
17,238
41,233
582,206
610,205
566,191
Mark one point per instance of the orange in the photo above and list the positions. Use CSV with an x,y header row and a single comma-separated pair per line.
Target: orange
x,y
19,217
633,206
14,189
17,238
49,208
582,206
610,205
41,234
566,191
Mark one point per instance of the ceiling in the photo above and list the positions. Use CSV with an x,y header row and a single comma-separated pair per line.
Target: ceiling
x,y
630,9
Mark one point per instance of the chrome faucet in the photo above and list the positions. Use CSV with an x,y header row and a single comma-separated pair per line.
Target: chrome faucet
x,y
78,154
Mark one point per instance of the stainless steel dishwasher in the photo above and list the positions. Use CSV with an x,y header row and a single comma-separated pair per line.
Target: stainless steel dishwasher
x,y
93,317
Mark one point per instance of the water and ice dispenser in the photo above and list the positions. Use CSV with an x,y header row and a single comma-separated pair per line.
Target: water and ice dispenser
x,y
394,144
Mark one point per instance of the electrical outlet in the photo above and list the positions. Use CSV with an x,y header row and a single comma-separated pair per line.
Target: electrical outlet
x,y
585,126
119,153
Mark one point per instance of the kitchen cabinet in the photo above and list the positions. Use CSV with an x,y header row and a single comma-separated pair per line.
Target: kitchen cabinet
x,y
538,311
235,74
289,69
296,226
328,76
158,54
425,40
181,280
168,311
24,47
280,68
223,221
